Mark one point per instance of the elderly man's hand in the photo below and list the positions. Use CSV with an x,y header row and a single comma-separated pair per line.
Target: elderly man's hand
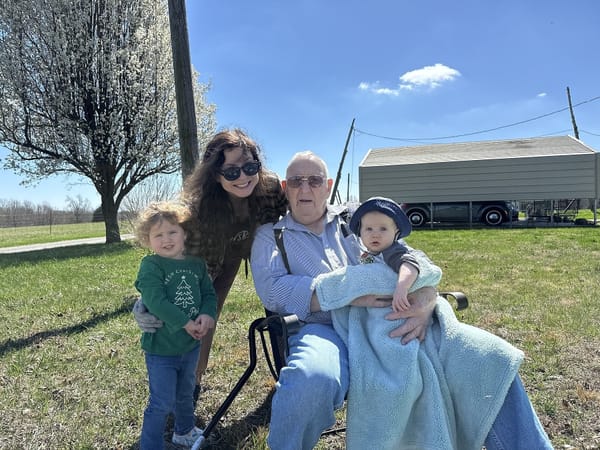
x,y
418,316
372,300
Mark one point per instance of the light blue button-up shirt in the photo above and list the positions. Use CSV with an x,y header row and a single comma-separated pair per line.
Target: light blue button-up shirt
x,y
309,255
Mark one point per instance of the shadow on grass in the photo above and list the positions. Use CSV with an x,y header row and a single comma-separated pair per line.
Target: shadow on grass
x,y
62,253
233,436
12,345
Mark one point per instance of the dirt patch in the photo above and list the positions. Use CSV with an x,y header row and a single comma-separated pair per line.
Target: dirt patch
x,y
570,403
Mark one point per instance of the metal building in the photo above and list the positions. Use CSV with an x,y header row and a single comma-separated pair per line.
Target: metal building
x,y
519,169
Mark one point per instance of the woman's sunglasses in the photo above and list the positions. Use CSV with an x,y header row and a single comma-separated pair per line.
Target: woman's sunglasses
x,y
233,173
314,181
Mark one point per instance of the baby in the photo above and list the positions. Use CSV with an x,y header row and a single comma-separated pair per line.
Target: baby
x,y
380,223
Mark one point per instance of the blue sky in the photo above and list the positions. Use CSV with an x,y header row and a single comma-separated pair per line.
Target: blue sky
x,y
295,75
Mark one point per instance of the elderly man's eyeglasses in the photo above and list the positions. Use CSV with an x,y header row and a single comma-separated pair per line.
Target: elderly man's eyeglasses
x,y
314,181
232,173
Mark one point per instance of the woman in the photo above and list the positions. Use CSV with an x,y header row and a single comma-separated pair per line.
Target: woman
x,y
229,194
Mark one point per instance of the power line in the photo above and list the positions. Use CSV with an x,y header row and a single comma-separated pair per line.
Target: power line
x,y
477,132
589,132
554,133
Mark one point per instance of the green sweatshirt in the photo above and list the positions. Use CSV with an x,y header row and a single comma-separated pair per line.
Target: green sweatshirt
x,y
175,291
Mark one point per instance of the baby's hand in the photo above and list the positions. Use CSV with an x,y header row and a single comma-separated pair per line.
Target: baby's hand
x,y
205,322
400,301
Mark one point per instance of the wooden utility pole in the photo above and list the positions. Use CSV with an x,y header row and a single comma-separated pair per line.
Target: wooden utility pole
x,y
184,91
575,130
339,174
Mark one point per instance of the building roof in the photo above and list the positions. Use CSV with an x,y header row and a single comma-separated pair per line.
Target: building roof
x,y
474,151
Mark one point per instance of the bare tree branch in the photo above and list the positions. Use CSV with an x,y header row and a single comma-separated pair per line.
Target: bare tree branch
x,y
87,88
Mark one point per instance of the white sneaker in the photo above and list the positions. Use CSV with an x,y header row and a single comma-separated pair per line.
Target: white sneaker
x,y
187,440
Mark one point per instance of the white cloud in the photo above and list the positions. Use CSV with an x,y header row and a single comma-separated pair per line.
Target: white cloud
x,y
428,77
376,89
387,91
541,94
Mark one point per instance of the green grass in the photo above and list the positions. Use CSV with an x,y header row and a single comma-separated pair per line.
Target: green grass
x,y
10,237
72,374
587,214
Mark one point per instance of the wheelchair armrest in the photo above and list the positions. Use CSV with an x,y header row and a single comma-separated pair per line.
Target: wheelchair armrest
x,y
286,325
279,326
461,299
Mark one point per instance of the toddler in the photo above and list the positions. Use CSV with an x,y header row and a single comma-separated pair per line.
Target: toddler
x,y
177,289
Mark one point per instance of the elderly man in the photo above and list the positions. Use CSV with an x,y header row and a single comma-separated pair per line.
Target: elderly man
x,y
316,378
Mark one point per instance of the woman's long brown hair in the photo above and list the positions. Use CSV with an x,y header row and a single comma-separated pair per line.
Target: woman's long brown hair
x,y
209,203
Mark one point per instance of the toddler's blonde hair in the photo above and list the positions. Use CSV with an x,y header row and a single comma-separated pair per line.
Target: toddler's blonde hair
x,y
155,213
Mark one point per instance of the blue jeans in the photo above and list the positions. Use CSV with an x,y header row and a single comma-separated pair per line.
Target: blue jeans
x,y
171,380
315,381
517,426
310,388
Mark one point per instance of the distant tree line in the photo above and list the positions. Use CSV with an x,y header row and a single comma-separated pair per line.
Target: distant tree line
x,y
15,213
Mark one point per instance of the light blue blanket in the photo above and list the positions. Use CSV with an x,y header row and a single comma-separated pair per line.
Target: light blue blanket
x,y
443,393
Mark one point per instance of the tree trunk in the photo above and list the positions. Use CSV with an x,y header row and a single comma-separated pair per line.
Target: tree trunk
x,y
111,221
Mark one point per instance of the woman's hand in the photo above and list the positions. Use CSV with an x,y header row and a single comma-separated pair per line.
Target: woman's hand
x,y
147,322
418,316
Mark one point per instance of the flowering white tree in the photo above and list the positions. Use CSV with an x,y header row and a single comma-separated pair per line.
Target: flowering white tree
x,y
87,88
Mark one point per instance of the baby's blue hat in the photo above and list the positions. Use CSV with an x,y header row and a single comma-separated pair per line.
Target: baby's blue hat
x,y
386,206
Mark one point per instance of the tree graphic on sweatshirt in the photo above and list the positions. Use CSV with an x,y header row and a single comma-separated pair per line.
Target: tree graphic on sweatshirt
x,y
183,294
